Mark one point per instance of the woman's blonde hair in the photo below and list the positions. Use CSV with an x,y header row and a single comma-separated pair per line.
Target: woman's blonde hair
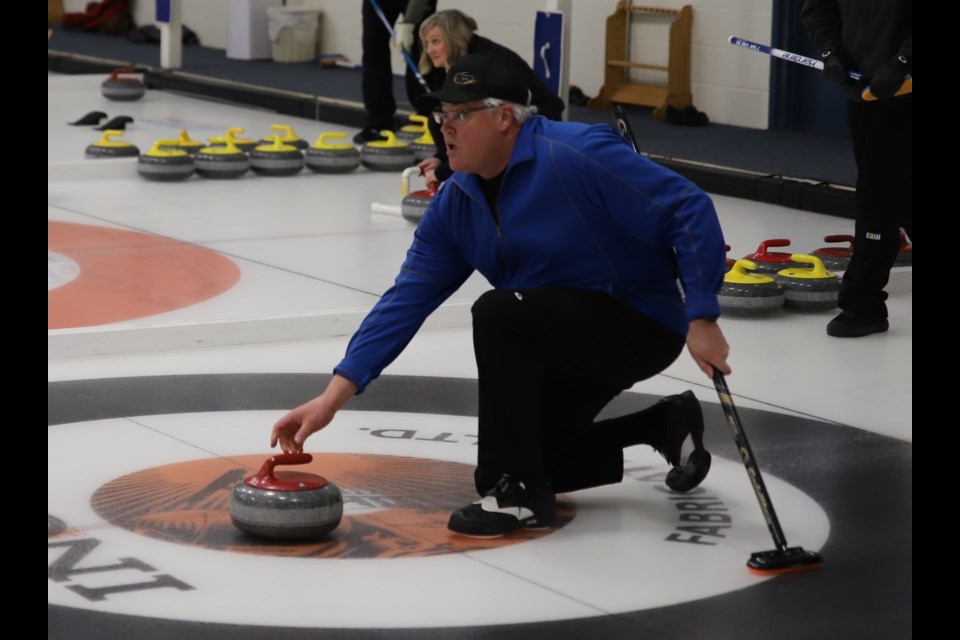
x,y
457,28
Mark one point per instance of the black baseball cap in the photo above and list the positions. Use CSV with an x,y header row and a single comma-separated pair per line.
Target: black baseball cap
x,y
475,77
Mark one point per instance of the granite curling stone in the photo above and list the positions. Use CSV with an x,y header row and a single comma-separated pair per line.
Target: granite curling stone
x,y
287,136
773,261
415,203
809,289
106,147
835,258
424,146
276,158
386,155
122,88
221,162
165,165
331,157
410,132
232,137
286,505
183,143
749,294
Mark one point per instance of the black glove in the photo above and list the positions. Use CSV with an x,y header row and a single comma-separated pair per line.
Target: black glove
x,y
836,64
889,76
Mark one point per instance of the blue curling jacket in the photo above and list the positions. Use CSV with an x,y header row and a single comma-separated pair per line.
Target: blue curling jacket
x,y
578,208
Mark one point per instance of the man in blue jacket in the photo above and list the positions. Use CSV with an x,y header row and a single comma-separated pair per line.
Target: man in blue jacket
x,y
603,265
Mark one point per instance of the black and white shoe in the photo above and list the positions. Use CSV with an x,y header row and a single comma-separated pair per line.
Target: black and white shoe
x,y
508,506
683,443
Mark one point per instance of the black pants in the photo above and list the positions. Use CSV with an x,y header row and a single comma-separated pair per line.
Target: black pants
x,y
377,77
882,134
548,361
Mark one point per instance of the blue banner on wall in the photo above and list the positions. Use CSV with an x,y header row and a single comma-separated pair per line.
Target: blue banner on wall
x,y
163,11
548,48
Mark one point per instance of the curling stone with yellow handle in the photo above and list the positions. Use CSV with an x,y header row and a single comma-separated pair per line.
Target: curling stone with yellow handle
x,y
331,157
276,158
107,147
424,146
809,289
233,137
165,165
222,162
749,294
386,155
183,143
287,136
410,132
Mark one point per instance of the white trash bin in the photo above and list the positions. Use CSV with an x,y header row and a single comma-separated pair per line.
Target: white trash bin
x,y
294,32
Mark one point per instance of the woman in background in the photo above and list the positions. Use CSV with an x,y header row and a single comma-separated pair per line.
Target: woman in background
x,y
449,35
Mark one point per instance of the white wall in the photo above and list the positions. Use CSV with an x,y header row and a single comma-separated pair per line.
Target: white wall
x,y
729,84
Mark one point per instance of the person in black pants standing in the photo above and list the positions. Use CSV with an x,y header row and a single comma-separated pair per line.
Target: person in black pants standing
x,y
875,39
377,79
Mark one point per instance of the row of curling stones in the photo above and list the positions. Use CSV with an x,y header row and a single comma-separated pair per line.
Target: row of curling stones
x,y
168,161
122,87
286,505
810,287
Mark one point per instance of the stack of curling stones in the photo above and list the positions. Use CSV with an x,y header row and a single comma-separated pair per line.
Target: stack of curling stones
x,y
749,294
122,88
276,158
286,505
286,135
772,261
221,162
415,203
386,155
423,145
165,164
835,258
331,157
107,147
809,287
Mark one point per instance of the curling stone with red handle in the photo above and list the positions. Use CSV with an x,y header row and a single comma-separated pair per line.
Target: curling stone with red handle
x,y
836,258
728,262
287,505
122,88
773,261
415,203
810,289
905,254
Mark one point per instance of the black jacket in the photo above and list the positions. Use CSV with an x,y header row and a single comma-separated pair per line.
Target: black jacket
x,y
869,31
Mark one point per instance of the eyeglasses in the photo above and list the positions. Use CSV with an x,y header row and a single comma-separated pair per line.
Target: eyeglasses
x,y
459,115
